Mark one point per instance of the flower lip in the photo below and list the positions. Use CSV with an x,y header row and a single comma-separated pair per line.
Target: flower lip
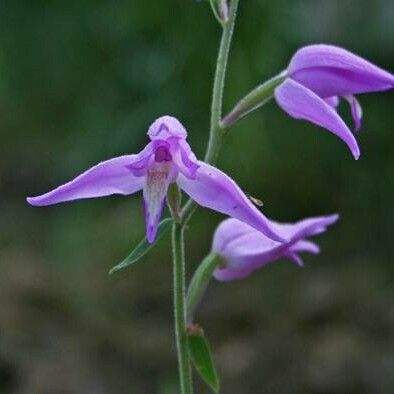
x,y
166,126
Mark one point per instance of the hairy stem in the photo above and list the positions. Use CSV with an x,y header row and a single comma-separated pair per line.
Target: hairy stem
x,y
180,309
216,130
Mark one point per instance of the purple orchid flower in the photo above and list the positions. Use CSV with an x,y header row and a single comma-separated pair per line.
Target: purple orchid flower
x,y
166,159
245,250
317,76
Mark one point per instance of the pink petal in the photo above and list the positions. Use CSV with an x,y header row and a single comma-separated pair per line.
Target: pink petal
x,y
107,177
301,103
332,71
245,250
306,227
215,190
229,230
305,246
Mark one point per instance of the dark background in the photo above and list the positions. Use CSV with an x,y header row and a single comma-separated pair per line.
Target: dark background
x,y
80,82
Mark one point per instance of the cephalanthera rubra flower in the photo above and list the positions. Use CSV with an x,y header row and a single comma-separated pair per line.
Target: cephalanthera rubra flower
x,y
243,250
166,159
317,76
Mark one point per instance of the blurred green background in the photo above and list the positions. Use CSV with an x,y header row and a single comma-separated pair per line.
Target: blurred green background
x,y
80,82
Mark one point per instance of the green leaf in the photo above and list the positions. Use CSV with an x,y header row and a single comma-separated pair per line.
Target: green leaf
x,y
201,356
143,247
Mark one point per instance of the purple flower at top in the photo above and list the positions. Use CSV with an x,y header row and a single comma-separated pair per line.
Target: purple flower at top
x,y
166,159
244,250
317,76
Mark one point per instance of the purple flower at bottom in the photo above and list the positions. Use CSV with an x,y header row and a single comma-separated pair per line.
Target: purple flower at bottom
x,y
244,250
166,159
317,76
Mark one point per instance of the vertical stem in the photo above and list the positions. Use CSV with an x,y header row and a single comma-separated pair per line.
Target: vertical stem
x,y
218,85
215,135
180,309
216,131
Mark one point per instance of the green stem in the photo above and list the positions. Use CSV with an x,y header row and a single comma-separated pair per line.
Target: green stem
x,y
214,143
180,309
199,282
216,130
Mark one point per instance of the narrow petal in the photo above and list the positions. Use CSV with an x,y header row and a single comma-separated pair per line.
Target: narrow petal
x,y
305,246
107,177
329,71
357,112
156,184
215,190
295,258
301,246
301,103
306,227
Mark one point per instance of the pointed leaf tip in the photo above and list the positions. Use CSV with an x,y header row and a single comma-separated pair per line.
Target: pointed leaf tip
x,y
201,356
143,247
